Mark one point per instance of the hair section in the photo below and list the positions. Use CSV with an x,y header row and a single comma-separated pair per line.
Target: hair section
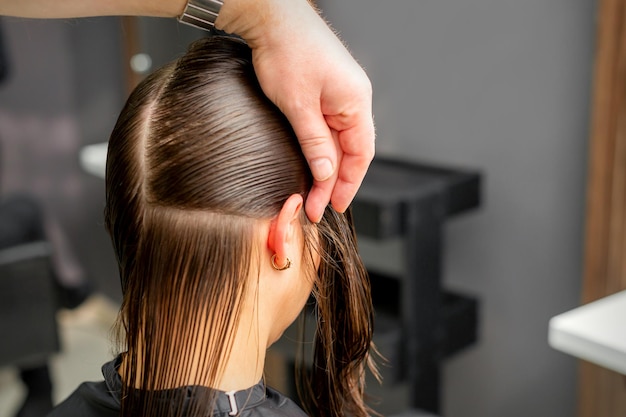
x,y
197,157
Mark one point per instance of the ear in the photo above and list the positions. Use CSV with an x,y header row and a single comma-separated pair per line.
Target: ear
x,y
283,229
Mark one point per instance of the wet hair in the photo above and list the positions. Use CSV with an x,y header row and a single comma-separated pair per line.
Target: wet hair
x,y
198,156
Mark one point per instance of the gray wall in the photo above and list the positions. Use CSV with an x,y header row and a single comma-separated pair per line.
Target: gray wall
x,y
498,85
64,90
504,86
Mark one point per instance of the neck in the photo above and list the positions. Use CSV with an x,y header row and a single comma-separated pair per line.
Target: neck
x,y
244,366
241,366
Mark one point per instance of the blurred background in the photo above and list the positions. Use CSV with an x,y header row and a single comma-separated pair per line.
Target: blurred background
x,y
501,86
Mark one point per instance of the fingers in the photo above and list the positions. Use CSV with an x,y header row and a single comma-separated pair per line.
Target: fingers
x,y
322,154
339,149
322,191
310,75
318,199
350,176
357,151
353,152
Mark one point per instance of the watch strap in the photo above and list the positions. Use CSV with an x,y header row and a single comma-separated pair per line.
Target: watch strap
x,y
201,13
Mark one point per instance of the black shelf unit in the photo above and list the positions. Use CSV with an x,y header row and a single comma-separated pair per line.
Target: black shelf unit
x,y
418,323
421,322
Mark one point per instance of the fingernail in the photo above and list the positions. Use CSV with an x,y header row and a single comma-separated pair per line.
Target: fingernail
x,y
321,168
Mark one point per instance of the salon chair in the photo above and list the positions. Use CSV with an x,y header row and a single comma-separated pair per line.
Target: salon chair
x,y
28,299
28,303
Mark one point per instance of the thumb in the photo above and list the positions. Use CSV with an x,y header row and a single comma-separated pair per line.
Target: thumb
x,y
321,152
317,143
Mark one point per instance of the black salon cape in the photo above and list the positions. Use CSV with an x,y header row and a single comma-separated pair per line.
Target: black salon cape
x,y
101,399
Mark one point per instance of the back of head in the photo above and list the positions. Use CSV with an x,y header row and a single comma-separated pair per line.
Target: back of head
x,y
199,135
197,157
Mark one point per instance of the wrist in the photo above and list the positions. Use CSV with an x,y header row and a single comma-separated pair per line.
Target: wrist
x,y
262,23
157,8
174,6
246,18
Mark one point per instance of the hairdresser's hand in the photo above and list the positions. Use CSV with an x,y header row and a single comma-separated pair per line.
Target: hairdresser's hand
x,y
301,65
308,73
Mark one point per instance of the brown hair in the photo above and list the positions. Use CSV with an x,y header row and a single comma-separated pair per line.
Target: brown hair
x,y
197,157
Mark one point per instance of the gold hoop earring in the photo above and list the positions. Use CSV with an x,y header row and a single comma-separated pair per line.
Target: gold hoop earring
x,y
280,268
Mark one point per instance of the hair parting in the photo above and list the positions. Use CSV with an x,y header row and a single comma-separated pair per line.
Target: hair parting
x,y
192,168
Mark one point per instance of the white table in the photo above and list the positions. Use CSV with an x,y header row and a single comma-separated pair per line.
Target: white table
x,y
595,332
93,159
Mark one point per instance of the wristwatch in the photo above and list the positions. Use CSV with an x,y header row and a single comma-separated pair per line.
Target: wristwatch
x,y
201,13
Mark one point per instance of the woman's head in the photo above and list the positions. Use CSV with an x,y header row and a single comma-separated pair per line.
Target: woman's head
x,y
205,184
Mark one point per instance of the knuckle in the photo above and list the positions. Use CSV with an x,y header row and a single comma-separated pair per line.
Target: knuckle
x,y
313,141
